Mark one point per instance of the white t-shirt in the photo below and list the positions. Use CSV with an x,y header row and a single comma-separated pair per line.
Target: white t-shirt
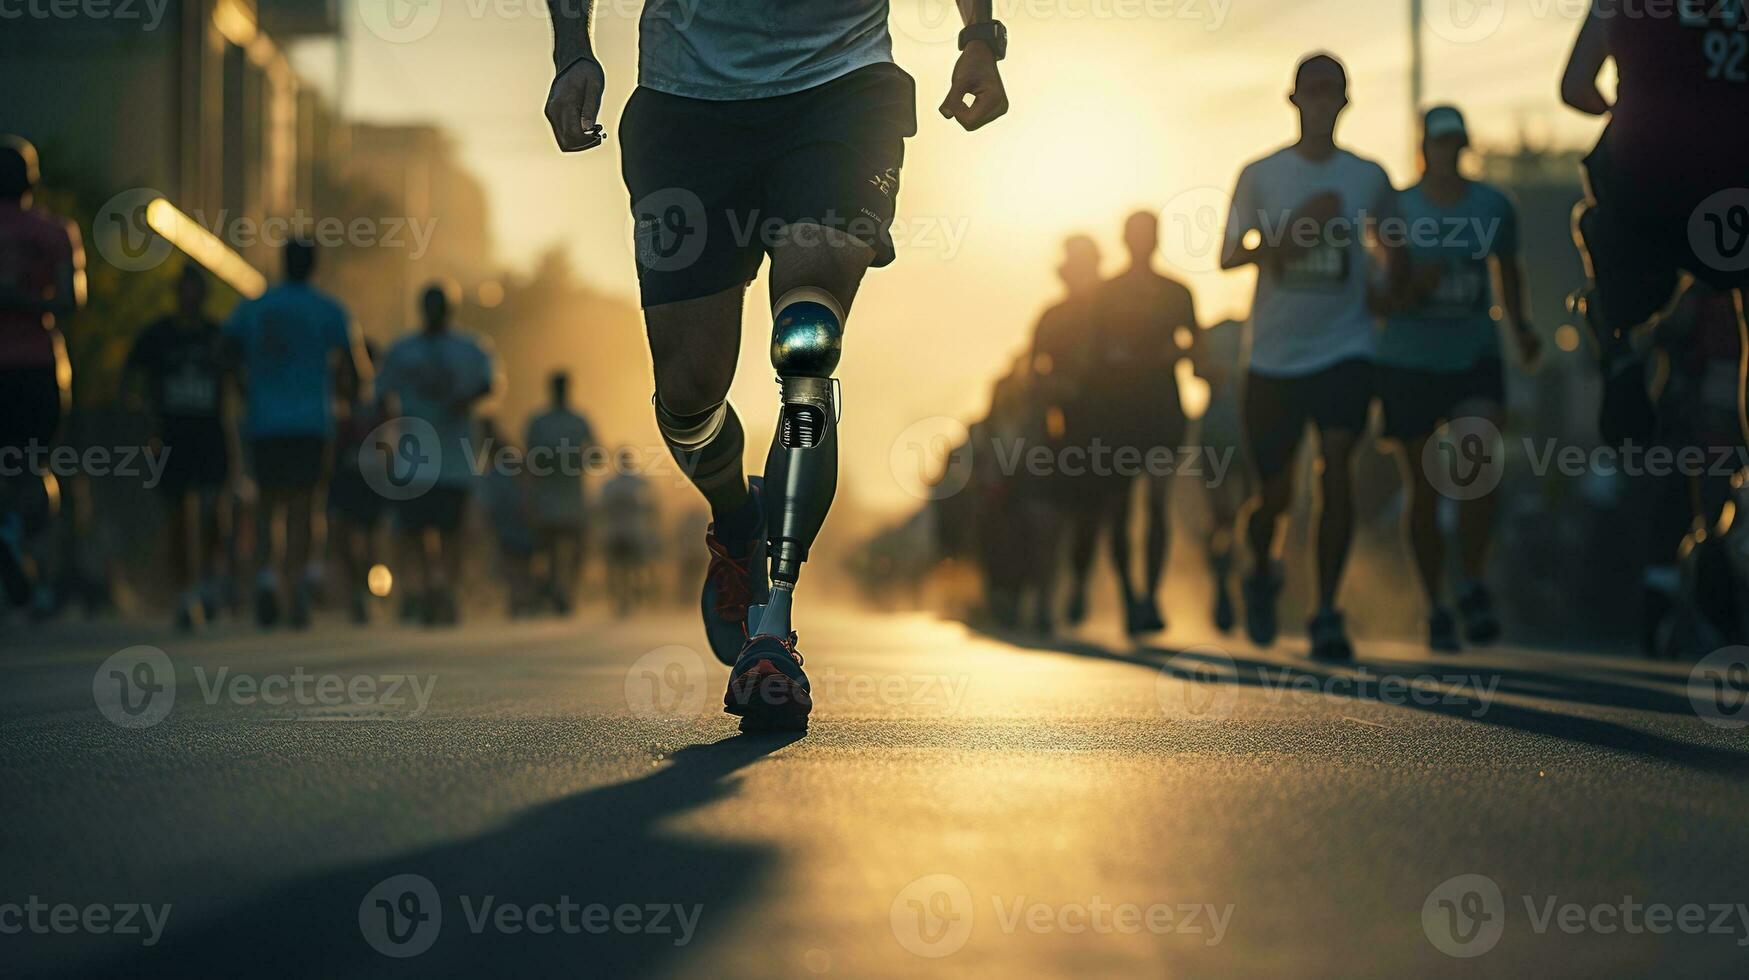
x,y
757,49
1311,312
428,374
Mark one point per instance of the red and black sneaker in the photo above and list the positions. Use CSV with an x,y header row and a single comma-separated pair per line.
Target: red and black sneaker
x,y
732,584
768,688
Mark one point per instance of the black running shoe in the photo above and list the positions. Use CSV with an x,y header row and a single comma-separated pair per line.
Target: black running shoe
x,y
1481,626
1149,617
266,607
768,688
1329,638
1076,614
1225,615
1260,594
1442,633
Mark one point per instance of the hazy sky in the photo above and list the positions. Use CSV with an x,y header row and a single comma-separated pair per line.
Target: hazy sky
x,y
1118,105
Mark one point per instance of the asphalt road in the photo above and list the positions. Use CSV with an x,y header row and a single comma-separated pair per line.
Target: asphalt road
x,y
530,799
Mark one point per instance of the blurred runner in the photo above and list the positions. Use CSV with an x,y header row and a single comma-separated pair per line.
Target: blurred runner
x,y
42,269
559,445
1220,433
1134,409
628,525
180,360
292,345
355,509
1061,344
1302,215
1691,603
1439,357
437,377
793,122
505,497
1013,509
1667,199
1668,192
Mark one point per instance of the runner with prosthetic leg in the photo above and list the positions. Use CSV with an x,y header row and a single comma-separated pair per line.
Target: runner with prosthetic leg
x,y
800,139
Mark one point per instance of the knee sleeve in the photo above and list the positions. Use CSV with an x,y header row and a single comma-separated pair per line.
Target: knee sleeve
x,y
707,444
690,432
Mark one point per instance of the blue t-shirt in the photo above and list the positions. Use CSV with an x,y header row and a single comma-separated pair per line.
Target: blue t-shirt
x,y
1455,327
429,373
287,337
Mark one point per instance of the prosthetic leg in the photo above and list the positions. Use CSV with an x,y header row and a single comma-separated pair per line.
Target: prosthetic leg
x,y
801,471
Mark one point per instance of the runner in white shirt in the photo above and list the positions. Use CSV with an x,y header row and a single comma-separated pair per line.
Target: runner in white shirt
x,y
1302,216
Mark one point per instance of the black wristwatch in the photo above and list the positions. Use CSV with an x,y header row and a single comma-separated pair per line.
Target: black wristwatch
x,y
990,32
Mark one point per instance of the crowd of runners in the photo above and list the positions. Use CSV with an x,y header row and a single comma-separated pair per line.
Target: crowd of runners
x,y
1413,300
1356,302
288,452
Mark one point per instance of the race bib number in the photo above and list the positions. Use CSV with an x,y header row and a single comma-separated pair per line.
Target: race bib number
x,y
191,391
1322,269
1463,291
1724,43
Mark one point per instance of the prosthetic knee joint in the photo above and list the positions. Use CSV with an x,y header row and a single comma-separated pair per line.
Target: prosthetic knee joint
x,y
801,474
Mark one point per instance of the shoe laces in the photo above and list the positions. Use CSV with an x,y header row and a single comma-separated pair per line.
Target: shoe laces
x,y
730,576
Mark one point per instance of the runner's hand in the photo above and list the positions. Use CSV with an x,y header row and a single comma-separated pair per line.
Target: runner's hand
x,y
573,104
975,74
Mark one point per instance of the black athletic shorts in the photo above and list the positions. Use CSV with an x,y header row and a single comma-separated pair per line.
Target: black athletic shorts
x,y
291,462
1277,410
31,407
714,184
1416,403
1131,424
197,456
440,508
1636,260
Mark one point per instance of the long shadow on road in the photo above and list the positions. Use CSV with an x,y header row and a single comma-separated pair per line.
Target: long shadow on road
x,y
1474,699
599,847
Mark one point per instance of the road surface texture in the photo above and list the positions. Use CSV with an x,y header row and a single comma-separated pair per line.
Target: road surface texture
x,y
549,798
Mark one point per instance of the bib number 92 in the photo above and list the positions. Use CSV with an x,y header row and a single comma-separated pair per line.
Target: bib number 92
x,y
1727,55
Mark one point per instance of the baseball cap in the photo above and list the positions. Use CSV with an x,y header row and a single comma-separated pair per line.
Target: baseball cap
x,y
1442,121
